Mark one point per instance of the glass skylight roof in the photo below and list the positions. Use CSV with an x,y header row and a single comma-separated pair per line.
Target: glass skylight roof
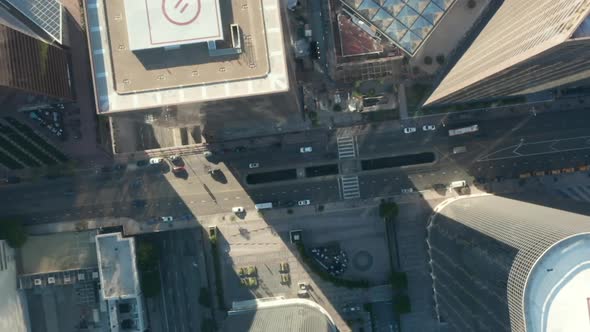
x,y
47,14
407,23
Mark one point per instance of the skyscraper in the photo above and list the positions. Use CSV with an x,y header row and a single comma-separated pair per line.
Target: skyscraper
x,y
30,61
527,46
500,264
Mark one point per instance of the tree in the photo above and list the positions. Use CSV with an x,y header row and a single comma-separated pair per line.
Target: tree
x,y
13,231
428,60
388,210
399,280
205,297
148,256
401,304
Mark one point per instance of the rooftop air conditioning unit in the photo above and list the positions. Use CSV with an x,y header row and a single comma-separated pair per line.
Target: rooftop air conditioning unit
x,y
94,275
38,282
67,279
81,276
51,280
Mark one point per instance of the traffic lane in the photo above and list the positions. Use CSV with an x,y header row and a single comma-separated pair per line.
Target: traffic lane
x,y
510,168
317,191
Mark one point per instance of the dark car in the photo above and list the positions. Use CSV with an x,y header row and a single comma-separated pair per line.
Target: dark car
x,y
142,163
240,149
139,203
289,203
11,180
120,167
314,50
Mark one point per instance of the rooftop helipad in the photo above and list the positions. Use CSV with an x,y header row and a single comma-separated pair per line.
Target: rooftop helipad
x,y
160,23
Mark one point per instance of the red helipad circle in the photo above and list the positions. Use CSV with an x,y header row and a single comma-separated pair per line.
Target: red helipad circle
x,y
181,12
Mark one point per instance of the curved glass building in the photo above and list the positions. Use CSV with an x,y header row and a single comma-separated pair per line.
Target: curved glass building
x,y
500,264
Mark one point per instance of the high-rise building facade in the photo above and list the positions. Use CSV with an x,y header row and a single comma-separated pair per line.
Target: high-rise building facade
x,y
500,264
527,46
30,61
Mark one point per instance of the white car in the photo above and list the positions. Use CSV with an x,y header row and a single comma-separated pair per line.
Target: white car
x,y
304,202
428,127
254,165
167,218
305,149
154,161
409,130
174,157
237,209
407,190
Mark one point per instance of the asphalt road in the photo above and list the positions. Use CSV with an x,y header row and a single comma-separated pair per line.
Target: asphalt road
x,y
505,148
180,281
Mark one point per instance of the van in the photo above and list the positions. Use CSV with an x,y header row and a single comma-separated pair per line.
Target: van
x,y
459,149
458,184
237,209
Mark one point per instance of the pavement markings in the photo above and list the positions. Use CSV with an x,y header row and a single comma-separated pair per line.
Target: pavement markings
x,y
346,147
350,187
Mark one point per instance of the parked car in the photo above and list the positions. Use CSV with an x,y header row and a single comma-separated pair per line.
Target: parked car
x,y
407,190
304,202
240,149
154,161
167,218
174,157
254,165
305,149
428,127
314,50
141,163
178,169
409,130
207,154
237,209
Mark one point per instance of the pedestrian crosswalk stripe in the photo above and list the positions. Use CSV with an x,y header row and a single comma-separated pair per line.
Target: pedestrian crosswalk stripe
x,y
350,187
346,147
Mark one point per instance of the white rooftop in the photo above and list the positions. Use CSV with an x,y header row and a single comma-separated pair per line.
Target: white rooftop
x,y
557,294
160,23
118,272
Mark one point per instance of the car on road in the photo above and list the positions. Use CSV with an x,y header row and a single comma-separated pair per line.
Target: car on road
x,y
167,218
237,209
139,203
288,203
409,130
407,190
240,149
428,127
141,163
305,149
254,165
155,161
304,202
11,180
120,167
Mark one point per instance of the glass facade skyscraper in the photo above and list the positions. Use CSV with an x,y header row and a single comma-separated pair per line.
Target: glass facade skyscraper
x,y
500,264
527,46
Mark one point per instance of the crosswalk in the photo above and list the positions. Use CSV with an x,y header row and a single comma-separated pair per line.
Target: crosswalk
x,y
346,147
350,187
578,193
